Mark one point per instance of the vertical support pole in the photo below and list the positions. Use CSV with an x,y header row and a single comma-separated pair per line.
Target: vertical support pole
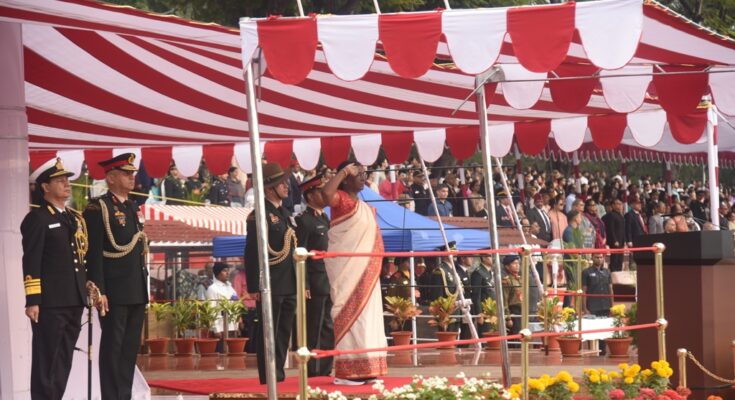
x,y
581,263
713,166
661,318
519,174
392,177
262,234
15,329
414,329
575,164
302,354
525,332
668,177
465,202
493,228
682,354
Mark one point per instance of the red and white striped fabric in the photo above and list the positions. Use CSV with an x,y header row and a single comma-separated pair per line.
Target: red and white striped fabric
x,y
102,77
222,219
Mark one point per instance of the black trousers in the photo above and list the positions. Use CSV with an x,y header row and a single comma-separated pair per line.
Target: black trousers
x,y
54,338
320,333
284,309
616,262
119,347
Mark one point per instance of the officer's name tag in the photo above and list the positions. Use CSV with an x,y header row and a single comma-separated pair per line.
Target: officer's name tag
x,y
593,275
56,225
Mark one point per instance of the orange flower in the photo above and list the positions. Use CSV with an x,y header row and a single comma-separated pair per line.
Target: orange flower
x,y
713,397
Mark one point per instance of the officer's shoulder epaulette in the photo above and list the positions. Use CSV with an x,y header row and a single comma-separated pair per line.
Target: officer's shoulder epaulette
x,y
437,271
74,211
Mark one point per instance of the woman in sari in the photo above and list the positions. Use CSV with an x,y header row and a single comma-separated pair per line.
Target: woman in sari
x,y
355,290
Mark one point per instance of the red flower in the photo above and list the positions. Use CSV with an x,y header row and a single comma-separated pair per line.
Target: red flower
x,y
683,392
672,395
616,394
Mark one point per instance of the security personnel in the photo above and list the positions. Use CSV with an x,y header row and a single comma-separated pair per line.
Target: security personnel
x,y
419,193
54,242
116,262
512,293
443,283
311,233
483,286
399,283
281,245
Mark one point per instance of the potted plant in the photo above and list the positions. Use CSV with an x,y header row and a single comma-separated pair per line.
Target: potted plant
x,y
620,341
442,310
232,311
207,314
159,346
549,313
183,315
569,344
402,310
489,317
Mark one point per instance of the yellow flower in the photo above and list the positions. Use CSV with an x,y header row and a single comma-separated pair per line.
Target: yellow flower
x,y
573,386
646,373
536,384
594,378
655,365
515,389
614,375
564,376
629,380
604,378
623,366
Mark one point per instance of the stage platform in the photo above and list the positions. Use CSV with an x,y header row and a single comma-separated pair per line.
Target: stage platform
x,y
194,377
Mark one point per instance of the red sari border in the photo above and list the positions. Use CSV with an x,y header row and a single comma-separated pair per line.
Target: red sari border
x,y
361,295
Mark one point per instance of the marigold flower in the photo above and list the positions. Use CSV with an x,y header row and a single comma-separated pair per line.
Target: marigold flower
x,y
646,373
628,380
564,376
573,387
623,366
614,374
604,378
594,378
713,397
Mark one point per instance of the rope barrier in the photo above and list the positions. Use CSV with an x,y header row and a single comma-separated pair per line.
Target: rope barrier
x,y
708,372
319,255
573,294
332,353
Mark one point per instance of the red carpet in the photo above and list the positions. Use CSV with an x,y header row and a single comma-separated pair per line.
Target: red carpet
x,y
252,385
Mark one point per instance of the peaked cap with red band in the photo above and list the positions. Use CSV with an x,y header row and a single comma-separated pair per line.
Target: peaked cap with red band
x,y
313,183
123,162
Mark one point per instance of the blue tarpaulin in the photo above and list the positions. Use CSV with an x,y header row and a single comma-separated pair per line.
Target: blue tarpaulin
x,y
402,229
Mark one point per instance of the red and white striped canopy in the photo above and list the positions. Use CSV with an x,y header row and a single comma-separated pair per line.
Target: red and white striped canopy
x,y
101,79
221,219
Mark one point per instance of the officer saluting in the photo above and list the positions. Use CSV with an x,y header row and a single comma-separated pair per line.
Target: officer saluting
x,y
311,231
281,245
116,262
54,242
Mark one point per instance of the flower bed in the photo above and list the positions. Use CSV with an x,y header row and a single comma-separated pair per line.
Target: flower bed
x,y
628,382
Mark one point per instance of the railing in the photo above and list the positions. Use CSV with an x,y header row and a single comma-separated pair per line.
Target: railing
x,y
303,354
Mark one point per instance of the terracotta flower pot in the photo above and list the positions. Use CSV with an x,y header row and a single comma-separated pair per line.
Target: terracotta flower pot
x,y
402,358
447,337
184,347
236,346
491,345
569,345
401,338
207,347
158,347
619,347
552,342
447,356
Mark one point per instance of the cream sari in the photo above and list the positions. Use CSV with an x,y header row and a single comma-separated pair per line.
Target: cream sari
x,y
358,305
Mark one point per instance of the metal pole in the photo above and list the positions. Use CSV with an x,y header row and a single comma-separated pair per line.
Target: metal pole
x,y
661,319
682,353
302,354
460,288
463,181
578,300
262,233
525,332
89,348
493,228
517,219
713,166
414,330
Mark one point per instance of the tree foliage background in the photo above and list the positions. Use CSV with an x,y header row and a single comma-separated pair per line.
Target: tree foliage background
x,y
718,15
